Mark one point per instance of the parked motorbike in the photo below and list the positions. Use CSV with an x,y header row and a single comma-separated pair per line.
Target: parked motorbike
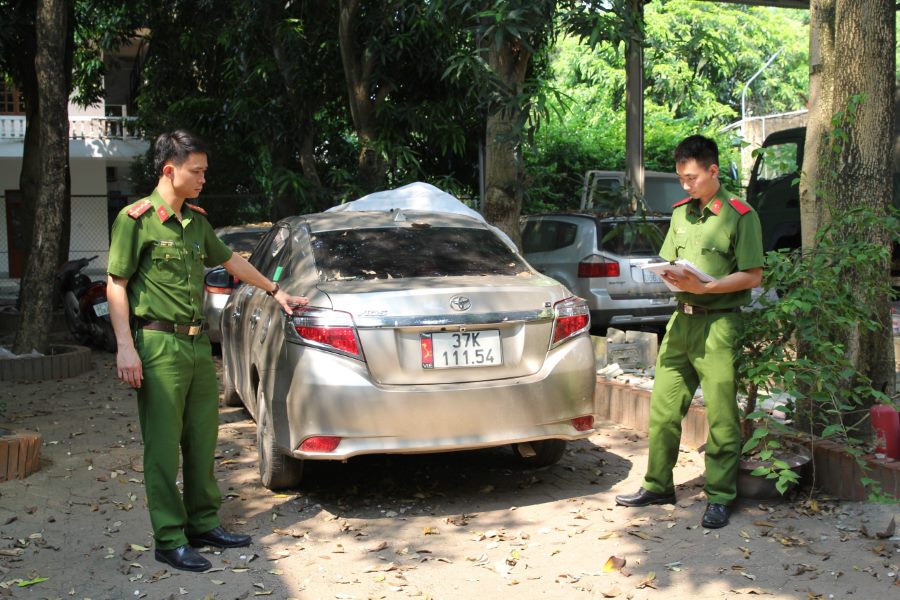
x,y
85,307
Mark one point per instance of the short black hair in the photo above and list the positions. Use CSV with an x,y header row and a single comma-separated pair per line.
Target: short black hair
x,y
699,148
176,146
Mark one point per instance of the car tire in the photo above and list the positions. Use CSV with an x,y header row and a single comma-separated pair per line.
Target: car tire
x,y
546,453
277,471
230,396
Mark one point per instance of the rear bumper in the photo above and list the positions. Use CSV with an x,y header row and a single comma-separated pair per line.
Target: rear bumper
x,y
330,395
633,315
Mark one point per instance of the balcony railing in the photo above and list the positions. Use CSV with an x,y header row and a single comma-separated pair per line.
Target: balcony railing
x,y
80,128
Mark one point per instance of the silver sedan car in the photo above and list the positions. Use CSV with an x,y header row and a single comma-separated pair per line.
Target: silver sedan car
x,y
424,332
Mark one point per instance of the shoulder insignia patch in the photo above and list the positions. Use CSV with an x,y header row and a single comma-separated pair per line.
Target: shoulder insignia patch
x,y
680,202
140,208
195,208
739,206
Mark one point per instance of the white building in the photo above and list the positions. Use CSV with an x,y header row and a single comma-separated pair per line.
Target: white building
x,y
102,145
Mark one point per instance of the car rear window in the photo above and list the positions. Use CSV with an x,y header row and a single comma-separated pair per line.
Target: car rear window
x,y
633,238
546,235
242,241
401,252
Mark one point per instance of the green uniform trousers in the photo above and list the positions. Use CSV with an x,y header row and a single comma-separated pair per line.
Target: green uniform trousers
x,y
697,349
178,404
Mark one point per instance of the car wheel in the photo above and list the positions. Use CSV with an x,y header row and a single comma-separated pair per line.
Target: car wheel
x,y
230,396
276,470
539,454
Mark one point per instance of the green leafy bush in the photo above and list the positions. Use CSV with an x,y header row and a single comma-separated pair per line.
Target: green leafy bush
x,y
795,343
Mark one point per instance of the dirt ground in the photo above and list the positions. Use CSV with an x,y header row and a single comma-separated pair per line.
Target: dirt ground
x,y
455,526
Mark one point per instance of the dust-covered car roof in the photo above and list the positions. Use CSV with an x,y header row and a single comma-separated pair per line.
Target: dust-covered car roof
x,y
332,221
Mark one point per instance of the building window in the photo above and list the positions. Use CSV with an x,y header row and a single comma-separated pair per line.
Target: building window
x,y
10,100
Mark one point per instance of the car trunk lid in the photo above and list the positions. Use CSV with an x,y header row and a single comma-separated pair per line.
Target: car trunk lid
x,y
438,330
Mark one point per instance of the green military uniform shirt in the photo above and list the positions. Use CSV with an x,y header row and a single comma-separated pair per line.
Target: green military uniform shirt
x,y
721,239
163,259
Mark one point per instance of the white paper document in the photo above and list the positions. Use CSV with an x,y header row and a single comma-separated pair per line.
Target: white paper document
x,y
680,266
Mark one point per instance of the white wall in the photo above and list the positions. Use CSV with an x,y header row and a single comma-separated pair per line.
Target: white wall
x,y
90,230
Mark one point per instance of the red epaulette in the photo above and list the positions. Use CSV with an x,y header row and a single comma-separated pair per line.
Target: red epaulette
x,y
195,208
739,206
140,208
680,202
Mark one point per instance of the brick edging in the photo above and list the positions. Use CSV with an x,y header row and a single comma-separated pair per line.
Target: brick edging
x,y
64,361
835,470
20,455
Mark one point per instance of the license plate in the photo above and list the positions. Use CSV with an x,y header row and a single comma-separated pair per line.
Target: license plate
x,y
651,277
101,309
461,349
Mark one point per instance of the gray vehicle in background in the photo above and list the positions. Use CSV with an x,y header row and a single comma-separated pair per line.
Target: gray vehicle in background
x,y
218,285
598,259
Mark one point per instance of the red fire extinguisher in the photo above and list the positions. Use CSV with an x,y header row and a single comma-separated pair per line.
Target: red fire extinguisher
x,y
886,426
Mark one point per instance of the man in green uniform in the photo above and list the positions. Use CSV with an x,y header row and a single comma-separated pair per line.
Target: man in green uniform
x,y
160,246
721,236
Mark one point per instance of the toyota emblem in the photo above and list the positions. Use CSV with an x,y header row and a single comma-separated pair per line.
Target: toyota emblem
x,y
460,303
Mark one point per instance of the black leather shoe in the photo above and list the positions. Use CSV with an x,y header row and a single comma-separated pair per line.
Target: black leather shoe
x,y
645,498
716,516
183,558
220,538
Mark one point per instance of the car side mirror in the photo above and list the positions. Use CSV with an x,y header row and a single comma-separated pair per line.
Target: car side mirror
x,y
220,281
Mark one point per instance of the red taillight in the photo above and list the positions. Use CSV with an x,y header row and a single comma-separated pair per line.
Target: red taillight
x,y
572,318
95,294
583,423
595,266
217,290
327,329
342,338
320,443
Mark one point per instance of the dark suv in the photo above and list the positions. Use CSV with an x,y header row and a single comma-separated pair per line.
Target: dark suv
x,y
774,191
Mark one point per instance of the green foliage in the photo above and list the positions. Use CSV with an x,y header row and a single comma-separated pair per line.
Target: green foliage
x,y
698,55
794,342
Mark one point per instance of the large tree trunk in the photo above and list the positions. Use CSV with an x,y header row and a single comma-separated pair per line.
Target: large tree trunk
x,y
37,283
865,30
504,170
359,63
821,93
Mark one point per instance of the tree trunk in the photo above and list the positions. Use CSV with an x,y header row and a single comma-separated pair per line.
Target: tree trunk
x,y
359,63
305,123
821,83
504,169
865,30
37,283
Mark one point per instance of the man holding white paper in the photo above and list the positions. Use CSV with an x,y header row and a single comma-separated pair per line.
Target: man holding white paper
x,y
720,236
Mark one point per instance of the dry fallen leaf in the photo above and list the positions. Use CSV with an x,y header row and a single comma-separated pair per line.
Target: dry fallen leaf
x,y
612,593
648,581
377,547
381,568
889,532
613,563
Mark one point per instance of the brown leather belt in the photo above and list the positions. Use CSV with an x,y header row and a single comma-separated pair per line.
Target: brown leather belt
x,y
690,309
188,329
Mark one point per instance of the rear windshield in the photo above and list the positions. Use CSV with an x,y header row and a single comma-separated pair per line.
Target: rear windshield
x,y
396,253
633,238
